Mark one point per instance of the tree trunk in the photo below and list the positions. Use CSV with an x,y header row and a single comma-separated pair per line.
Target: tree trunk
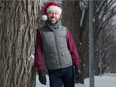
x,y
84,47
17,33
71,18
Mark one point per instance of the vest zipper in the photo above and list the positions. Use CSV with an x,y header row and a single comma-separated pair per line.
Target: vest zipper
x,y
57,48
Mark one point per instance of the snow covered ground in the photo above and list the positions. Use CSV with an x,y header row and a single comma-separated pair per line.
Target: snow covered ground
x,y
106,80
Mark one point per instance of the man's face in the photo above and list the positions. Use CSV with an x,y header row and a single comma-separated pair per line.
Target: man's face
x,y
53,16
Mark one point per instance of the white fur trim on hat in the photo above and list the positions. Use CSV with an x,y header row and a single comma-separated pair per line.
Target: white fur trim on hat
x,y
44,17
50,8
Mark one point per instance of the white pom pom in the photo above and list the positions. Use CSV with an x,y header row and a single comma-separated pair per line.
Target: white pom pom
x,y
44,18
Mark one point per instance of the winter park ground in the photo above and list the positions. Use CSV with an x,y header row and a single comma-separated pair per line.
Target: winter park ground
x,y
106,80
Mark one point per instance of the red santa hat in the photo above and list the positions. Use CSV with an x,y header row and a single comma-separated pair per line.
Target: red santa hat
x,y
49,7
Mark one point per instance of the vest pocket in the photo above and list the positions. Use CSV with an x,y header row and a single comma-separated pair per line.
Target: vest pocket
x,y
66,58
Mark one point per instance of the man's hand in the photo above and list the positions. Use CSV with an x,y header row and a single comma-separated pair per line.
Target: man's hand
x,y
42,77
77,73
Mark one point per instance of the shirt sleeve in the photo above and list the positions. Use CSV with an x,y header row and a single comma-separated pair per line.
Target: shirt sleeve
x,y
38,62
72,48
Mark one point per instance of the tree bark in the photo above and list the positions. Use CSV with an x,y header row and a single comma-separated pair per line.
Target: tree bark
x,y
17,33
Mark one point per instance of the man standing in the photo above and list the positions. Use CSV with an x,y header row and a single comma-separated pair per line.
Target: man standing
x,y
55,43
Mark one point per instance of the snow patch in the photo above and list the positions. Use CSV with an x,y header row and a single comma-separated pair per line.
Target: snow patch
x,y
107,80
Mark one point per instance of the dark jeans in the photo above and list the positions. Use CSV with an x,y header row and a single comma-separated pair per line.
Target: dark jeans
x,y
61,77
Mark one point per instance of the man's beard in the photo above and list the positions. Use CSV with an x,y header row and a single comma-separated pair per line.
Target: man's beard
x,y
50,19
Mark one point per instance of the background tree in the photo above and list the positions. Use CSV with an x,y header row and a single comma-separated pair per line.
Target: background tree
x,y
105,10
75,16
77,21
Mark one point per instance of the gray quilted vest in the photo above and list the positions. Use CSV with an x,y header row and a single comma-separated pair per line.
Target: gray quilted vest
x,y
56,53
